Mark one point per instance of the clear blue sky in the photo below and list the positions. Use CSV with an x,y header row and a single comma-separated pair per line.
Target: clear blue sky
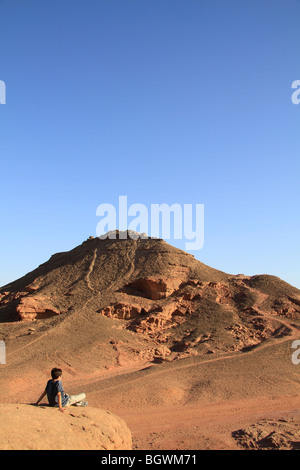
x,y
165,101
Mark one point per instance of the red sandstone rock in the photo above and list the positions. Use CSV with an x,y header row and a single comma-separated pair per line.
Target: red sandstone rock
x,y
121,311
156,288
31,308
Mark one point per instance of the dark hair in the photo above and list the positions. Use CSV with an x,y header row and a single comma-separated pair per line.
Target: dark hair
x,y
55,373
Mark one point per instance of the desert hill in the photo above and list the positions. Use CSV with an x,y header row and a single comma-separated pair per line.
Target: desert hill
x,y
138,324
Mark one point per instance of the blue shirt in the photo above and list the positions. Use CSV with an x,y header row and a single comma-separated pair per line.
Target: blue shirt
x,y
53,387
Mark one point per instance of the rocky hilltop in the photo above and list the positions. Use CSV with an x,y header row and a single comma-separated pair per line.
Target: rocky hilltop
x,y
159,292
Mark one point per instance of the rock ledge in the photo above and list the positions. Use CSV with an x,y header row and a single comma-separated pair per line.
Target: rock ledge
x,y
28,427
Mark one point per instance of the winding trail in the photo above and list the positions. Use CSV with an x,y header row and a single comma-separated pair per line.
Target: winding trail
x,y
90,271
130,254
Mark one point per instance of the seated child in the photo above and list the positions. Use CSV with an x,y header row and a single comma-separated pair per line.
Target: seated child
x,y
56,395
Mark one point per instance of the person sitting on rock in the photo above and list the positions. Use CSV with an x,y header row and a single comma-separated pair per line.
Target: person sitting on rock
x,y
56,395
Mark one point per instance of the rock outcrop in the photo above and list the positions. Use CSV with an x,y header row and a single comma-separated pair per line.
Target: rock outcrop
x,y
27,427
35,308
155,288
283,434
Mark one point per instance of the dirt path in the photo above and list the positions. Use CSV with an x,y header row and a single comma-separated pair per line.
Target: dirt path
x,y
90,270
202,426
